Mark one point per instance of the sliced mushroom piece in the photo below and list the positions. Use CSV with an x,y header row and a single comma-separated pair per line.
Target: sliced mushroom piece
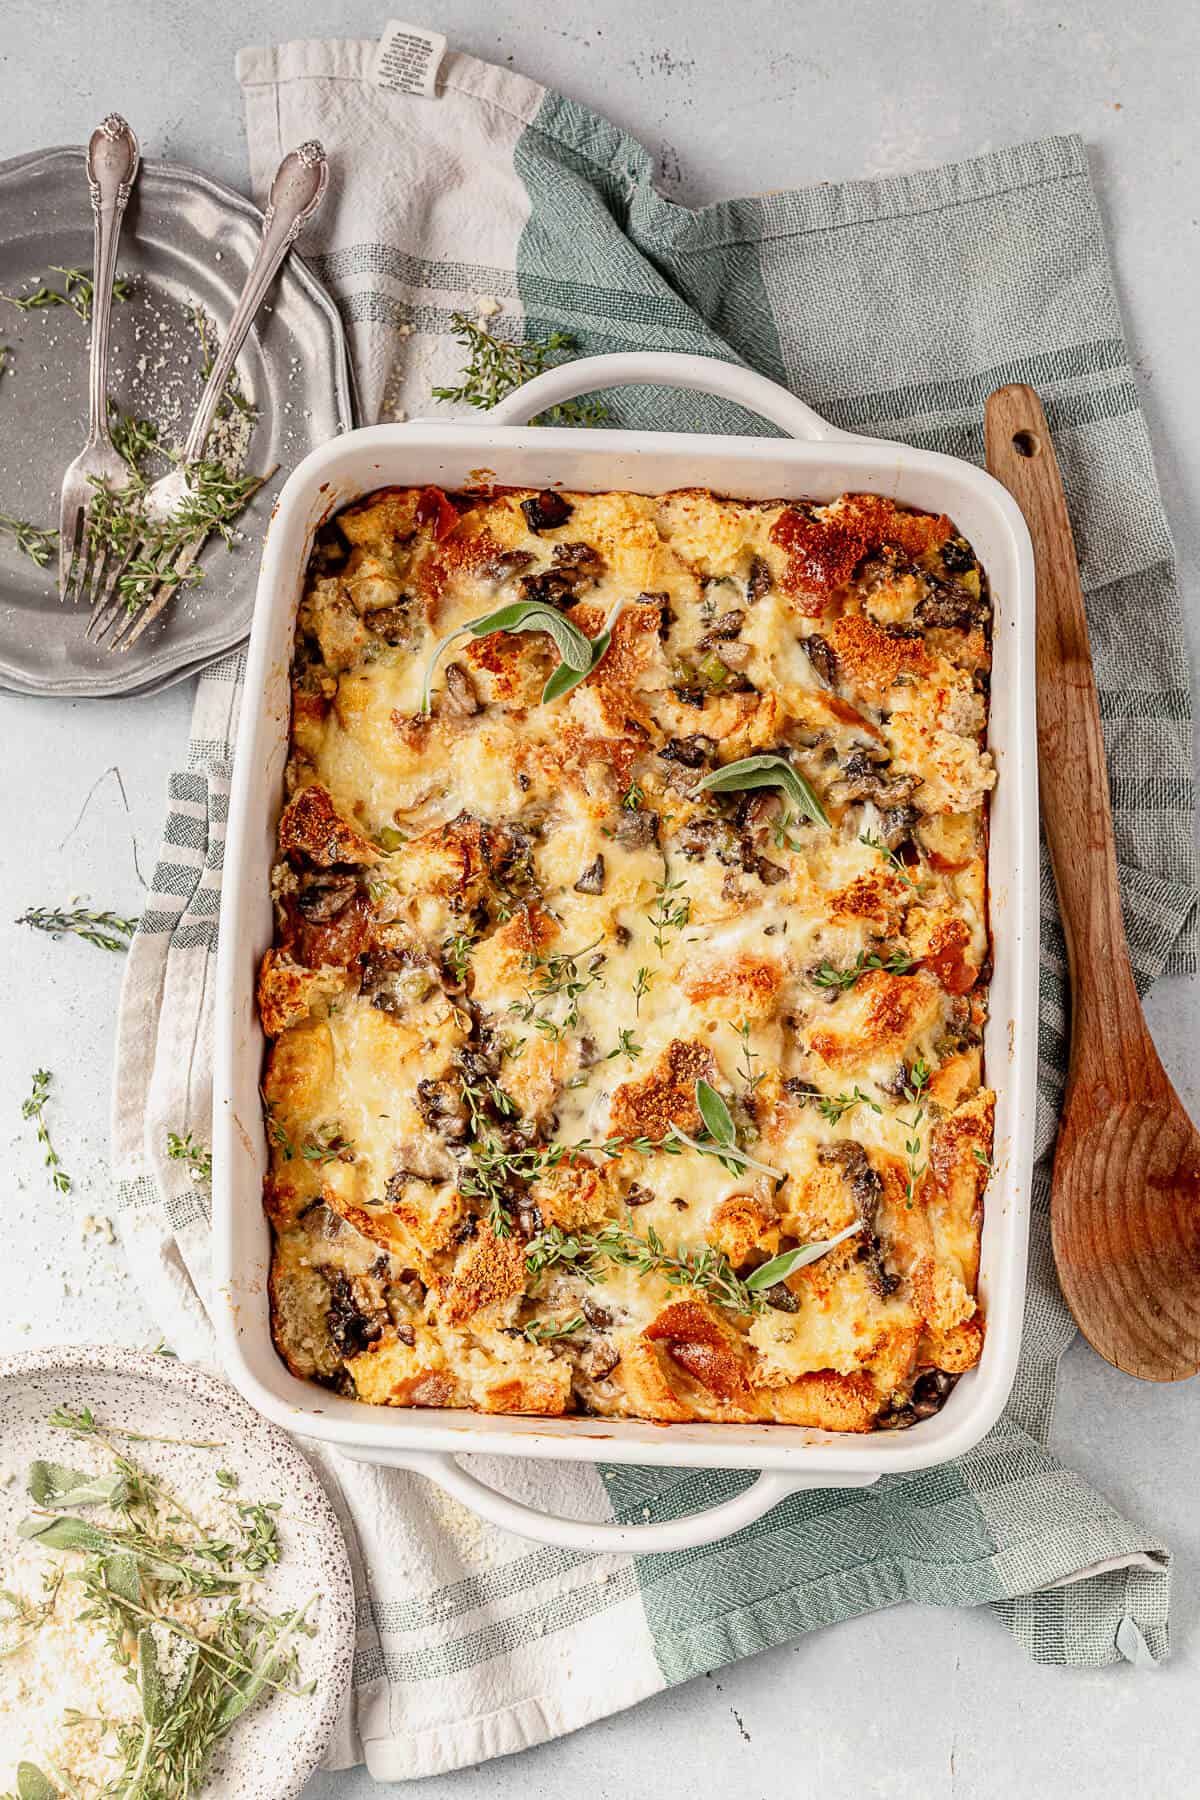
x,y
822,657
758,581
582,560
507,564
692,752
950,606
325,897
734,656
637,830
354,1325
441,1106
599,1360
459,696
896,824
546,511
592,879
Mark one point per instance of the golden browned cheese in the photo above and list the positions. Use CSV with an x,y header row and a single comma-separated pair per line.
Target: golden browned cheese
x,y
567,1047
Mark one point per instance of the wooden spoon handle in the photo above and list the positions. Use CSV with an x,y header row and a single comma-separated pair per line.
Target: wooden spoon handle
x,y
1072,771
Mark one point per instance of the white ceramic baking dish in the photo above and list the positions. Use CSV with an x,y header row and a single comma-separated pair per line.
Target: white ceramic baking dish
x,y
814,460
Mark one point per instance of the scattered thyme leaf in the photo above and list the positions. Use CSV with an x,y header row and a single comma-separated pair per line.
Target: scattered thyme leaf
x,y
494,367
106,930
827,976
35,1108
77,292
186,1149
37,543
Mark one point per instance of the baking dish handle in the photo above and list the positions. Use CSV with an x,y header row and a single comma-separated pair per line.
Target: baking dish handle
x,y
581,1534
666,368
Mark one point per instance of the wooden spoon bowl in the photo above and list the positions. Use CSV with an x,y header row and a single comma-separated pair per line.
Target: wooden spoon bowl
x,y
1125,1201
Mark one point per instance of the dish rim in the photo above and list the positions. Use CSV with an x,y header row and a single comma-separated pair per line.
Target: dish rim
x,y
314,490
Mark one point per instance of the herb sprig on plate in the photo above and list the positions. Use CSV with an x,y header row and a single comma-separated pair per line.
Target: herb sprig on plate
x,y
134,1568
77,292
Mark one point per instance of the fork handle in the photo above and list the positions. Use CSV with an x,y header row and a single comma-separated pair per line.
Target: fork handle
x,y
112,163
296,192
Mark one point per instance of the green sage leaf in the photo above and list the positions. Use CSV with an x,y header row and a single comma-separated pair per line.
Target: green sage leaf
x,y
54,1484
64,1533
149,1680
718,1120
519,615
121,1577
565,677
780,1267
33,1785
766,771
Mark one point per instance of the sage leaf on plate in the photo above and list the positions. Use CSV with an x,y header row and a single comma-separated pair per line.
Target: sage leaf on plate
x,y
33,1785
766,771
718,1120
64,1533
565,677
572,645
149,1680
780,1267
54,1484
121,1577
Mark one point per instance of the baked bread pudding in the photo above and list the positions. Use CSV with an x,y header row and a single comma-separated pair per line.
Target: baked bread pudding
x,y
627,991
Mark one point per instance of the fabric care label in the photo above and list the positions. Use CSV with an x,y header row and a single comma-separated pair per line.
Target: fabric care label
x,y
408,59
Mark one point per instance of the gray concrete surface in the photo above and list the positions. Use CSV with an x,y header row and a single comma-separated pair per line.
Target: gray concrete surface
x,y
908,1705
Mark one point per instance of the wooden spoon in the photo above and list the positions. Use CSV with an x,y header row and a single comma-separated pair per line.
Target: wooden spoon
x,y
1125,1206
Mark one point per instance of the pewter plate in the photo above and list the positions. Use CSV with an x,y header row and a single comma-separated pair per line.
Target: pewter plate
x,y
187,241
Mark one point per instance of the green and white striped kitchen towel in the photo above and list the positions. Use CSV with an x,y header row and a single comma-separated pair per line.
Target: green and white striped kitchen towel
x,y
893,306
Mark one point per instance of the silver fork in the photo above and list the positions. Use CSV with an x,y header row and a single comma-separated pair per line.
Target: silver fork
x,y
296,192
112,164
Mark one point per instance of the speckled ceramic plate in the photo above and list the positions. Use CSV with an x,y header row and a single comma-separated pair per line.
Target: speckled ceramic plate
x,y
274,1748
186,241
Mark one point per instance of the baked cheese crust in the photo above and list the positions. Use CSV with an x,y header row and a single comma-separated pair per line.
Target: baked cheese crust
x,y
569,1043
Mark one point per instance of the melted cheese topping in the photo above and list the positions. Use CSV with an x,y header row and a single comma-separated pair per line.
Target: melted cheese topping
x,y
514,935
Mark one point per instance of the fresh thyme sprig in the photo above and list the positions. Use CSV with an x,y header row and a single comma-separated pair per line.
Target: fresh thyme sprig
x,y
834,1107
747,1058
196,1155
915,1091
456,952
233,395
558,975
78,292
551,1331
35,1108
901,868
827,976
588,1254
494,367
643,981
668,913
107,930
117,524
625,1046
36,542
